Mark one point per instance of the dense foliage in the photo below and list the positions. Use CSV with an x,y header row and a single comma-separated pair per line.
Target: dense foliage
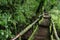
x,y
15,15
55,13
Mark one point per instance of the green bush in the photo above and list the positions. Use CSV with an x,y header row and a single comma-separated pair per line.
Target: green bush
x,y
15,15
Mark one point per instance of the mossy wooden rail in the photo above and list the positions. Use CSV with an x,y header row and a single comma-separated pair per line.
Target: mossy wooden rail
x,y
53,31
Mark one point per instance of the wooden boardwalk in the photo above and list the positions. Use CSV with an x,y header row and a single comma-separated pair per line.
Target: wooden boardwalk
x,y
43,31
42,34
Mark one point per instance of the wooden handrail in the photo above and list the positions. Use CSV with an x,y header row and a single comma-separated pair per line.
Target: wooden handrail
x,y
27,28
34,32
54,31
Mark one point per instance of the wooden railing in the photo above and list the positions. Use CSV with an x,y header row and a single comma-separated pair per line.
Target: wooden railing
x,y
52,30
27,28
